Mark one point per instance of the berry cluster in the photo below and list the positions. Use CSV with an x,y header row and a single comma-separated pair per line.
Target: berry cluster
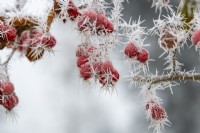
x,y
34,43
8,98
132,51
157,112
91,65
94,21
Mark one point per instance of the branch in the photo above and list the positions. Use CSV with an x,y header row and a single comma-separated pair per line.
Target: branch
x,y
174,60
167,78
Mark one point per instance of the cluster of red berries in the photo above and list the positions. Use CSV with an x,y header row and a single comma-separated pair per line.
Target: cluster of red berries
x,y
196,37
157,112
34,43
93,21
7,34
8,98
90,65
131,51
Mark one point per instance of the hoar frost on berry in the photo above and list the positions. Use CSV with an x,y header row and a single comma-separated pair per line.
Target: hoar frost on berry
x,y
134,50
170,31
154,111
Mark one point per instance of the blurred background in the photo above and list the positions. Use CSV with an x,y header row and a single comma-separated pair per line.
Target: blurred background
x,y
53,100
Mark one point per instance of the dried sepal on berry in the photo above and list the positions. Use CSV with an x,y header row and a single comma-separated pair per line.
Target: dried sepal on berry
x,y
34,54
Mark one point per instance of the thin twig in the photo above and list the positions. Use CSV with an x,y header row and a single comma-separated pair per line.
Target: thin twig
x,y
174,60
167,78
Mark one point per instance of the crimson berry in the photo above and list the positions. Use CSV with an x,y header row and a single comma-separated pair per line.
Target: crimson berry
x,y
143,56
115,75
10,101
131,50
7,88
101,22
82,60
158,113
106,67
88,18
196,37
86,71
7,33
72,10
49,41
109,27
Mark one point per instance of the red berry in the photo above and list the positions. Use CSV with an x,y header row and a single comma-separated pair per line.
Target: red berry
x,y
196,37
109,27
72,10
143,56
101,22
7,88
86,72
115,75
106,67
82,60
10,101
158,113
49,41
131,50
7,33
87,20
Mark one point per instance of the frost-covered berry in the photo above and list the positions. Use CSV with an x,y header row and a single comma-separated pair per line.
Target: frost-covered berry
x,y
49,41
82,60
101,21
143,56
131,50
106,73
7,88
196,37
115,75
7,33
108,78
109,27
87,20
72,10
10,101
158,113
86,71
106,67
